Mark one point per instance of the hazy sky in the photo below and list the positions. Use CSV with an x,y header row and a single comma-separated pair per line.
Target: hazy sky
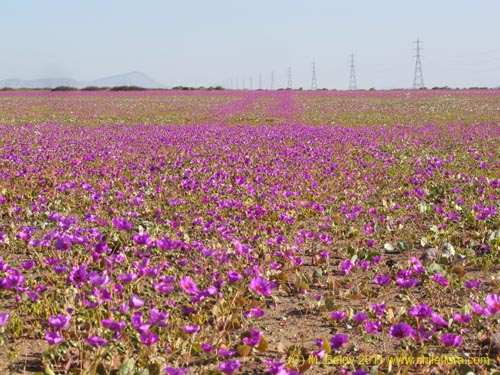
x,y
205,42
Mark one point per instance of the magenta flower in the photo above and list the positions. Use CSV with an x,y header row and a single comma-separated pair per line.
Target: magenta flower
x,y
4,317
53,338
373,327
438,320
493,303
226,353
480,310
451,339
188,285
112,325
233,276
473,284
59,322
121,224
63,244
262,286
421,311
176,371
135,302
338,315
338,340
401,330
360,317
96,341
149,338
346,266
382,280
191,329
462,318
142,238
440,279
254,338
229,367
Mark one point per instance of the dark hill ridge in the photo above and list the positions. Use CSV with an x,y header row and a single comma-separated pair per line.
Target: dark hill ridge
x,y
134,78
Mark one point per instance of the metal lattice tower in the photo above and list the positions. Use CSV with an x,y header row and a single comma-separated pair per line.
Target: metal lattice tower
x,y
289,84
314,83
251,83
352,76
418,78
260,81
272,80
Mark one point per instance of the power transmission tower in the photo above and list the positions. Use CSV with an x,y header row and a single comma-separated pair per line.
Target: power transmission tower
x,y
418,78
260,81
272,80
251,83
289,84
352,76
314,84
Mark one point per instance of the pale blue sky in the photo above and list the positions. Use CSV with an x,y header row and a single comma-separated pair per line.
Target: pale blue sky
x,y
195,42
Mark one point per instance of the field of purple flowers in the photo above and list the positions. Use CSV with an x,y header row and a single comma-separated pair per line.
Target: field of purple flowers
x,y
249,232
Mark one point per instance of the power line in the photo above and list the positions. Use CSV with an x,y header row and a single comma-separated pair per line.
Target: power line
x,y
352,76
418,78
314,84
289,84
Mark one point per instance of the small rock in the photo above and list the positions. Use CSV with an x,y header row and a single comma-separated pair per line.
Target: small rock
x,y
429,255
447,250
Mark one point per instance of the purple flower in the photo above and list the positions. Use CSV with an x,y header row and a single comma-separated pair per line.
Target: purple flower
x,y
142,238
338,315
121,224
401,330
233,276
373,327
59,322
262,286
346,266
78,275
226,353
360,371
480,310
188,285
176,371
53,338
378,308
462,318
338,340
440,279
438,320
191,329
4,317
360,317
451,339
406,283
254,338
382,280
63,244
135,302
421,311
493,303
229,367
96,341
472,284
149,338
207,348
112,325
28,264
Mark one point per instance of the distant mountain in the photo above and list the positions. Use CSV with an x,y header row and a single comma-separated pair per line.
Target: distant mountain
x,y
128,79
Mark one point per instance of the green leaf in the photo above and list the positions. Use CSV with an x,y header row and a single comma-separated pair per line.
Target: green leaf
x,y
143,371
154,369
48,371
127,367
